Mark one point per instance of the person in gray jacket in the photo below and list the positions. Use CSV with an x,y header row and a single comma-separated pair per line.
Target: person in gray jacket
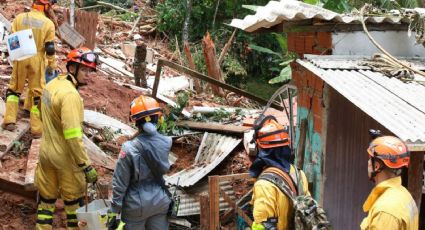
x,y
139,193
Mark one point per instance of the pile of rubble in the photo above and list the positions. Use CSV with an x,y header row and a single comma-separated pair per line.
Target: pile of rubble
x,y
212,133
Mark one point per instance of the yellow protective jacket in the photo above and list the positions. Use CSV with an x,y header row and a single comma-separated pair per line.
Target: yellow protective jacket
x,y
269,201
62,115
43,30
391,207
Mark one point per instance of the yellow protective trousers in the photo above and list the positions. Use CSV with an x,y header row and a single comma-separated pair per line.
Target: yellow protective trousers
x,y
65,182
31,70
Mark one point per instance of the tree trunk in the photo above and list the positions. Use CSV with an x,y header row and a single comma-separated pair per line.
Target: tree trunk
x,y
185,32
211,62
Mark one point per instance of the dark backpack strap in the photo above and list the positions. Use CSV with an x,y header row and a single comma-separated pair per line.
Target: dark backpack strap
x,y
284,184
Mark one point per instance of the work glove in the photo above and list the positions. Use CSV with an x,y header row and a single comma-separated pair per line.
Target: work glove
x,y
91,174
113,222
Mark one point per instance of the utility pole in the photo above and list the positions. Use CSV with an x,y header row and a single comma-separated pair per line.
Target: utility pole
x,y
72,13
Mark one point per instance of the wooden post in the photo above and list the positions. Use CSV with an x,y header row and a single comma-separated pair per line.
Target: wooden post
x,y
301,144
140,66
214,192
205,214
212,63
416,168
188,54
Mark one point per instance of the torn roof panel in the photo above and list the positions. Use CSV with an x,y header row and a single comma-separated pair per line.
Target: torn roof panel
x,y
276,12
396,105
214,149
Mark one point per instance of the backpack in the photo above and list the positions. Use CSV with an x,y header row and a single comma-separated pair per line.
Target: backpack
x,y
308,215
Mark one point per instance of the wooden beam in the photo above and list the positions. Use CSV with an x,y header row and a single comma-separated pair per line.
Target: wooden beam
x,y
188,54
214,209
194,74
12,185
239,176
214,127
31,165
301,144
416,169
204,202
341,27
234,206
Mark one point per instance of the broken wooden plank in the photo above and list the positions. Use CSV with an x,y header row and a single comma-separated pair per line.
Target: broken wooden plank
x,y
211,62
214,206
214,127
97,156
31,165
101,121
71,36
14,183
209,110
8,138
112,63
172,103
234,206
188,54
204,202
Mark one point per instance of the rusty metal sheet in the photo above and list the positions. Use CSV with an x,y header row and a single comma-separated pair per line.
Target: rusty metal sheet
x,y
276,12
212,151
346,186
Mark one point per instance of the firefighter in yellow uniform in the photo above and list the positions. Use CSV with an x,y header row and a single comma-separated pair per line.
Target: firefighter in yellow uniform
x,y
64,168
31,69
389,206
271,207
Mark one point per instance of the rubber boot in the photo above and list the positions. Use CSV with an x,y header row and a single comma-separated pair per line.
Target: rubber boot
x,y
12,106
45,212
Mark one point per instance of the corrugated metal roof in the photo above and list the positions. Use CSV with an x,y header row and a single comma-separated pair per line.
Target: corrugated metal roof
x,y
354,62
290,10
398,106
212,151
189,200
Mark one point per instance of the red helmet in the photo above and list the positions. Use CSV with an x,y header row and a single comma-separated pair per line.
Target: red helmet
x,y
144,106
272,134
84,56
391,150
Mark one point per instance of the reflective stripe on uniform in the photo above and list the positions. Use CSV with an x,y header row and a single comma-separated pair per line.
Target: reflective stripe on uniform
x,y
12,98
256,226
121,226
35,110
73,133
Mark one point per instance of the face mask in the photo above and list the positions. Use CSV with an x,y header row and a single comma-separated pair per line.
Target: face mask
x,y
149,128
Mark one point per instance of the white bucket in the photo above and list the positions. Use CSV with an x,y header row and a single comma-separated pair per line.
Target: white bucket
x,y
96,215
21,45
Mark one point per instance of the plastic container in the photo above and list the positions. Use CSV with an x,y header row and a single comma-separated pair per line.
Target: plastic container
x,y
21,45
96,216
